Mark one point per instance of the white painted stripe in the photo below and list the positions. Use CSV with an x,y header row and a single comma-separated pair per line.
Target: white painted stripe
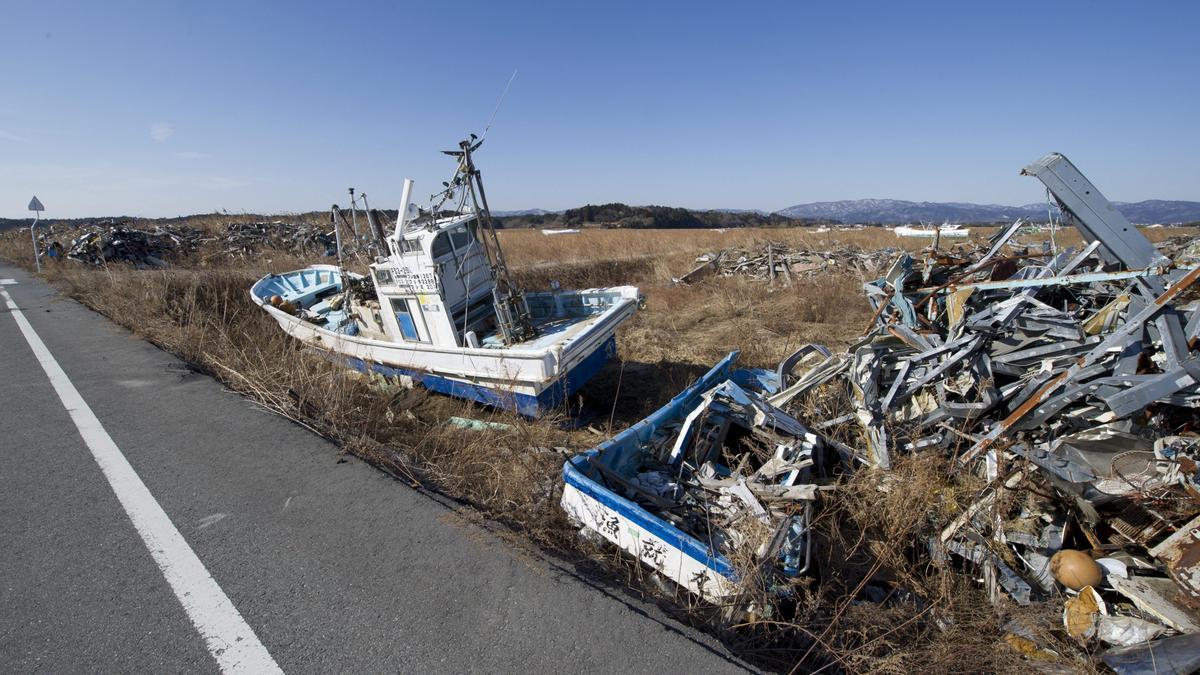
x,y
7,282
228,637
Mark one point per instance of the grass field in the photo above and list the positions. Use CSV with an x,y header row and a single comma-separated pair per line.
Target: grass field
x,y
200,310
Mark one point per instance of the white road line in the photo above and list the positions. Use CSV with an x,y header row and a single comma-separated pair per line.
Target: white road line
x,y
228,637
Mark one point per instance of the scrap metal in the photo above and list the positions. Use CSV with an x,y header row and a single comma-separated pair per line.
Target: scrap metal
x,y
1068,380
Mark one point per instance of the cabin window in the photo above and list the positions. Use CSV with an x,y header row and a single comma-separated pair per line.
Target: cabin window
x,y
408,246
408,316
383,277
441,245
462,238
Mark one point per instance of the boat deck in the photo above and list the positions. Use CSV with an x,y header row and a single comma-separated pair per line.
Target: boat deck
x,y
550,332
559,317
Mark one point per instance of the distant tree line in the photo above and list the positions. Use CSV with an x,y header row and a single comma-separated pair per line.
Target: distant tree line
x,y
659,217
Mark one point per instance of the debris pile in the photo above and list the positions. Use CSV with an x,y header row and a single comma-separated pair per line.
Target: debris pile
x,y
100,245
1069,383
121,242
1063,387
245,239
778,261
1182,249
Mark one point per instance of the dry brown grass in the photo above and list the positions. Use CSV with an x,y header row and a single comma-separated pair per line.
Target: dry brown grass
x,y
531,247
206,318
867,532
655,255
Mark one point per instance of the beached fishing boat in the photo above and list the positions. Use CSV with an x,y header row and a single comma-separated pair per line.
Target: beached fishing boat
x,y
662,490
438,308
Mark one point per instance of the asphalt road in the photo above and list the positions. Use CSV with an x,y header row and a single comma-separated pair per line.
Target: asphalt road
x,y
335,566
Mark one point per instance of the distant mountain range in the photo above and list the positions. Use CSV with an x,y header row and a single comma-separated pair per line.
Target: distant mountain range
x,y
898,211
893,211
525,212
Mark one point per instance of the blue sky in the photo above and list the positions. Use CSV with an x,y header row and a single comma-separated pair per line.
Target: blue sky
x,y
170,108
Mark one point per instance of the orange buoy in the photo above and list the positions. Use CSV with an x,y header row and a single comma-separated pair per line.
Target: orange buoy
x,y
1075,569
276,300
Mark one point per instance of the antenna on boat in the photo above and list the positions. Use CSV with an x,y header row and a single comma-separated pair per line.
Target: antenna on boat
x,y
354,215
512,312
498,103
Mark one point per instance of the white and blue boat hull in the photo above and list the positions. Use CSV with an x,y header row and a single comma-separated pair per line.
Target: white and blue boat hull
x,y
529,378
673,553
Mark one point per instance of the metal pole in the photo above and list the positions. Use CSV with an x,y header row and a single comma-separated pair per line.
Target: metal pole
x,y
504,287
334,214
337,233
370,221
376,226
37,261
354,215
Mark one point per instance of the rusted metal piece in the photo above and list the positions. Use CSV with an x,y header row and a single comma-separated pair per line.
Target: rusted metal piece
x,y
1008,422
1181,554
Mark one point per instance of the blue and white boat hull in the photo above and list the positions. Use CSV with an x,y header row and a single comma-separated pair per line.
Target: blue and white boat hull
x,y
506,397
530,378
663,490
671,552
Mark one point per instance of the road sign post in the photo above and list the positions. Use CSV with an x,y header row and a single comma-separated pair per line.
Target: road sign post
x,y
35,205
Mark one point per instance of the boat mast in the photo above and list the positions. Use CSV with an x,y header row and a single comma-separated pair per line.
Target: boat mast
x,y
512,312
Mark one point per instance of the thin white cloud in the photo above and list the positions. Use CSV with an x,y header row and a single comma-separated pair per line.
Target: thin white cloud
x,y
161,131
10,136
191,154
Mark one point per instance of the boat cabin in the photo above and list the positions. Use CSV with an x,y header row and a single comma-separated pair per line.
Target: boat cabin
x,y
436,286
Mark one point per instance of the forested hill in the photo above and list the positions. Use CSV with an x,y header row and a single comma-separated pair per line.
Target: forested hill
x,y
623,215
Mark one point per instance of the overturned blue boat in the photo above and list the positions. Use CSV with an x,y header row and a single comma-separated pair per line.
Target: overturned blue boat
x,y
713,488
